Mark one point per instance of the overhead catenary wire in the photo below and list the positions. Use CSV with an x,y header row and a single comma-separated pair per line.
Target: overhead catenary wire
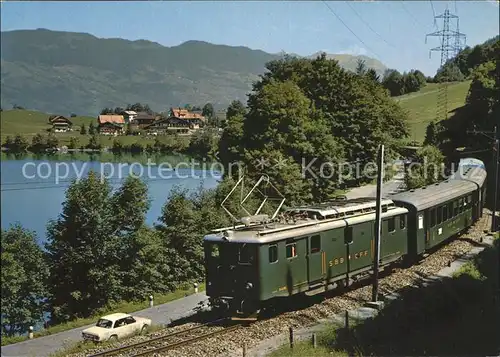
x,y
368,25
347,27
415,21
433,14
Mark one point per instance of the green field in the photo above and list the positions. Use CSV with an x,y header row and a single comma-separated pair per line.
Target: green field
x,y
28,123
422,106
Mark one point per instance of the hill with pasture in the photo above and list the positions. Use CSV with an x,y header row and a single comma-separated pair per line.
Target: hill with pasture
x,y
67,72
422,106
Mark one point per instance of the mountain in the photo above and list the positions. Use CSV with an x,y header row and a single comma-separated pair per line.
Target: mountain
x,y
68,72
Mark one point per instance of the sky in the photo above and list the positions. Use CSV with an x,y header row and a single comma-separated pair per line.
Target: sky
x,y
393,32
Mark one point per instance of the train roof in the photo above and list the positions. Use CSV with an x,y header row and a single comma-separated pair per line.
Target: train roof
x,y
337,208
471,172
433,195
307,220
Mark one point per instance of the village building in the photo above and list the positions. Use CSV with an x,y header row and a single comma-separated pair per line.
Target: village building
x,y
194,119
111,124
60,124
143,119
129,116
169,126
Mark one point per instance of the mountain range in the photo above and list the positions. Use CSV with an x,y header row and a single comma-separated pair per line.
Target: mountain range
x,y
68,72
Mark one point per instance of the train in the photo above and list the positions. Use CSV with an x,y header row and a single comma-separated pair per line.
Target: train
x,y
265,260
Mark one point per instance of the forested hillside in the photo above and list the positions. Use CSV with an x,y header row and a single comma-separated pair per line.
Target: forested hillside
x,y
66,72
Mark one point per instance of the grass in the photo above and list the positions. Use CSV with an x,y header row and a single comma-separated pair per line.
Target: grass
x,y
28,123
305,348
125,306
422,106
83,346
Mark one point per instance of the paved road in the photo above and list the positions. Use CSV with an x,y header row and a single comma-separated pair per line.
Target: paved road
x,y
46,345
371,190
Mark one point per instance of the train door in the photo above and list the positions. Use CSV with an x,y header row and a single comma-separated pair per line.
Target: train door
x,y
358,247
316,261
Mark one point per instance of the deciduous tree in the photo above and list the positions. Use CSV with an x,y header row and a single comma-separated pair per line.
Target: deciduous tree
x,y
24,280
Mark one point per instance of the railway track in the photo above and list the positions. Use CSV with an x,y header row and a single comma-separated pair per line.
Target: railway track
x,y
173,340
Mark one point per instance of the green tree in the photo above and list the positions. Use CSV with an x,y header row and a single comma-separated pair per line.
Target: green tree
x,y
203,143
24,280
450,72
431,134
208,110
9,142
230,148
94,143
91,128
179,229
107,111
73,143
20,143
394,82
84,251
234,109
427,168
117,145
83,131
52,141
130,204
372,75
360,67
314,113
38,143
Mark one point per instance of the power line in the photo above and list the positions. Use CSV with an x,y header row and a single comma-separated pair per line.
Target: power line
x,y
375,32
415,21
433,14
359,39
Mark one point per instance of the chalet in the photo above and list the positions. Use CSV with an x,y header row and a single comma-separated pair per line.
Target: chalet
x,y
143,119
60,124
195,119
169,126
129,116
111,124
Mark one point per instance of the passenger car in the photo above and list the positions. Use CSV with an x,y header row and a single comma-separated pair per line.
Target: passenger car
x,y
116,326
307,250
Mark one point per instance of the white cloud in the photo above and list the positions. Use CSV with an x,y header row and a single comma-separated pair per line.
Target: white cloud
x,y
354,50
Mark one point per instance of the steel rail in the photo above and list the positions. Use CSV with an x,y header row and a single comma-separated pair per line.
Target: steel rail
x,y
188,341
152,340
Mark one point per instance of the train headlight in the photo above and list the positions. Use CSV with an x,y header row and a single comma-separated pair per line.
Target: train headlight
x,y
249,286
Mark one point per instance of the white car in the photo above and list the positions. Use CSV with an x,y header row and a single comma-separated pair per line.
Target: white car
x,y
116,326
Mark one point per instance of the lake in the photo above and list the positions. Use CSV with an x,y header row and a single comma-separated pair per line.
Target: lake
x,y
34,186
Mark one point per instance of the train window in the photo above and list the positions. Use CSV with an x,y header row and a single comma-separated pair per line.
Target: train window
x,y
450,210
439,217
214,251
455,208
445,213
315,244
291,250
245,254
348,237
433,217
461,205
402,221
273,253
391,224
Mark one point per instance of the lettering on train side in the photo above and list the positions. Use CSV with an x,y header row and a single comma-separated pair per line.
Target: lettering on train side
x,y
337,261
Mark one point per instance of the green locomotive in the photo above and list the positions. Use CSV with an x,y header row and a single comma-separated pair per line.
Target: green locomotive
x,y
316,248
